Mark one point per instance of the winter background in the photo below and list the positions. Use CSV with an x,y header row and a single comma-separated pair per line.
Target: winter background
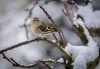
x,y
12,17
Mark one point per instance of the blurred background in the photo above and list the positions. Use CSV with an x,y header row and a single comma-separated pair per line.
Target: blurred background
x,y
14,15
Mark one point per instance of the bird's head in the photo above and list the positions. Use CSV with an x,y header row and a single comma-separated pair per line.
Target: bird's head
x,y
35,19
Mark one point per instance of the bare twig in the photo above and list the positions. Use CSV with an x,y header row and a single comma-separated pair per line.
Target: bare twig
x,y
49,17
59,30
55,37
16,46
4,56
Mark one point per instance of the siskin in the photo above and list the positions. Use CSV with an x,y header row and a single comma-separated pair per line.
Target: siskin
x,y
41,29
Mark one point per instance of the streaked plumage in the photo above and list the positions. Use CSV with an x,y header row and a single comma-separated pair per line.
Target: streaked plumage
x,y
41,29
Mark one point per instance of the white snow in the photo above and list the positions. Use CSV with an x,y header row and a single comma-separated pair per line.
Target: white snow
x,y
83,54
80,62
60,60
90,40
51,60
54,41
88,53
91,17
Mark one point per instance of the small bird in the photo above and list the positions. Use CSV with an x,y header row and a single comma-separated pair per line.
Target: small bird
x,y
41,29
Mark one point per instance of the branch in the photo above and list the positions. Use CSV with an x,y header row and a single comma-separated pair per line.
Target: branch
x,y
17,45
55,37
45,63
38,39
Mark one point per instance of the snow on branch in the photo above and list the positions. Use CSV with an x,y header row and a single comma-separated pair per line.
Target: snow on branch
x,y
91,42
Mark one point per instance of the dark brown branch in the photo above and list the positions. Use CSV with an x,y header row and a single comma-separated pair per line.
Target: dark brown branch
x,y
57,41
59,30
38,39
4,56
55,36
49,17
16,46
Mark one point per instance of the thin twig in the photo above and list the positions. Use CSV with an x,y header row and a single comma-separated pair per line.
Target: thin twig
x,y
16,46
4,56
49,17
16,64
55,38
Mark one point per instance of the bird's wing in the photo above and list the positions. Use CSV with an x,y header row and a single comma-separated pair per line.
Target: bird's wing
x,y
47,28
43,27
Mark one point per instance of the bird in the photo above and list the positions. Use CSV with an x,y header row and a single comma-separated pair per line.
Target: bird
x,y
41,29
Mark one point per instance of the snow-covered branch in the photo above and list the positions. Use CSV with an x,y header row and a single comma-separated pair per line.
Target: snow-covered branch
x,y
85,56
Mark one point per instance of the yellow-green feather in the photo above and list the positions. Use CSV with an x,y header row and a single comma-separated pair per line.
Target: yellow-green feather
x,y
47,28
